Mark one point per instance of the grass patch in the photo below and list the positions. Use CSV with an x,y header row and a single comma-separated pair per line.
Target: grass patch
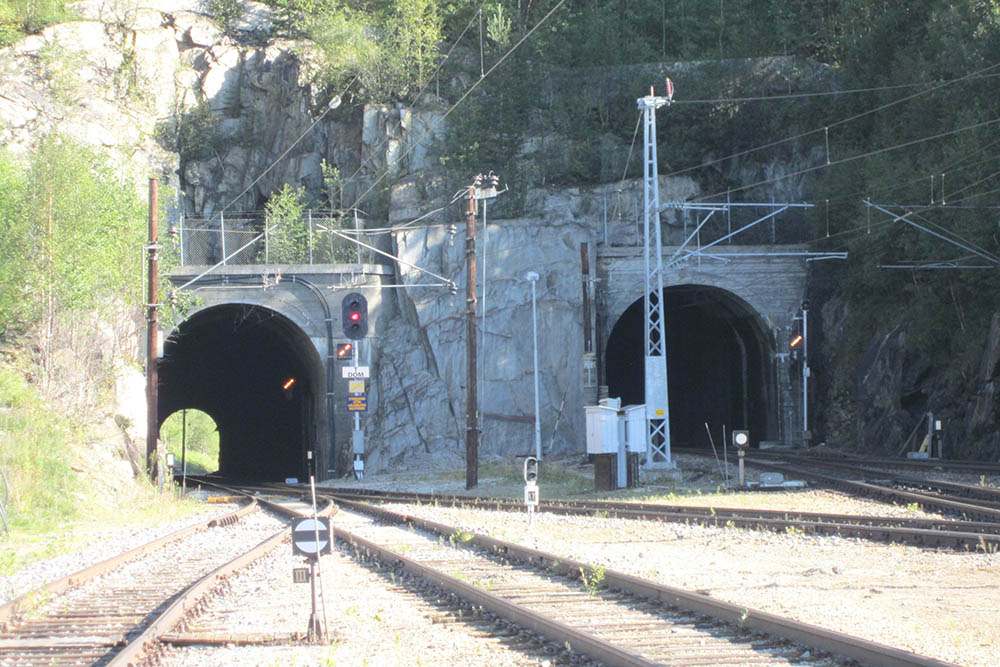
x,y
34,453
51,508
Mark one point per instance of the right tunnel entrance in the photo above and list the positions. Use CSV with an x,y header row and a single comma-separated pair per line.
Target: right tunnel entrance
x,y
719,369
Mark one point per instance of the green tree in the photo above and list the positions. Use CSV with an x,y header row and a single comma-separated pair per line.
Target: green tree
x,y
287,231
389,51
70,225
15,244
25,17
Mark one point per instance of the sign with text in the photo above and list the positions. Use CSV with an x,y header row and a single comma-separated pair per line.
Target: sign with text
x,y
357,403
355,372
355,386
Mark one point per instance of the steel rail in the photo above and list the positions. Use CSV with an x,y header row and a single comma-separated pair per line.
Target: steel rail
x,y
936,465
143,645
834,642
907,530
146,643
538,623
868,489
13,608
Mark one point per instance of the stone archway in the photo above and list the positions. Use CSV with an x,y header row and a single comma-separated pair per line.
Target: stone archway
x,y
718,364
258,375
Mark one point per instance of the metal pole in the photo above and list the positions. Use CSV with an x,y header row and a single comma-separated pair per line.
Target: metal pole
x,y
356,437
184,466
605,220
222,236
533,277
471,389
482,357
357,236
588,343
805,374
152,296
655,350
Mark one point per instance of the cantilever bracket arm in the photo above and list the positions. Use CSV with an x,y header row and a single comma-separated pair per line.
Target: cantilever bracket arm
x,y
905,218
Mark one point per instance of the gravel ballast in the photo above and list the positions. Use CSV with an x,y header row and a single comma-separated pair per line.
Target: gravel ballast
x,y
934,602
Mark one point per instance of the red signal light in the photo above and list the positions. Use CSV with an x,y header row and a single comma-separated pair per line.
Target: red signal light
x,y
355,316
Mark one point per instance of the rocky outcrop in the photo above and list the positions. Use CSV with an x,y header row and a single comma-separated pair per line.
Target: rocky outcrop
x,y
877,401
230,116
434,337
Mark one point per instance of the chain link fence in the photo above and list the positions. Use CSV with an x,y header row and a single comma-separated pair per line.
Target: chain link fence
x,y
315,238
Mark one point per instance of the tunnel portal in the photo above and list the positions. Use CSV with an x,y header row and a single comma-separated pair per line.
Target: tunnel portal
x,y
718,365
257,374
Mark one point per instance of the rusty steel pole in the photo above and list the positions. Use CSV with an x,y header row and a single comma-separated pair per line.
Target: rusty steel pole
x,y
471,388
588,345
152,430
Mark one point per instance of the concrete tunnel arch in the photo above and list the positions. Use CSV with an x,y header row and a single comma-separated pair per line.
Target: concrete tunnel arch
x,y
234,362
719,365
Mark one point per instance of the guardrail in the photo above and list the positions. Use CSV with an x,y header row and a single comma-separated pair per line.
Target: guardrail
x,y
317,237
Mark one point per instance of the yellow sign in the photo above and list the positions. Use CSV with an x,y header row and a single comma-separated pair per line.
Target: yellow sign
x,y
659,412
355,386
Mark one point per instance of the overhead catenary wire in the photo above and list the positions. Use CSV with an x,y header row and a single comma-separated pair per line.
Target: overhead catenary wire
x,y
464,96
430,78
821,93
853,158
377,180
837,123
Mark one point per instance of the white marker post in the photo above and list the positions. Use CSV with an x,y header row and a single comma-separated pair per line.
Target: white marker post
x,y
531,496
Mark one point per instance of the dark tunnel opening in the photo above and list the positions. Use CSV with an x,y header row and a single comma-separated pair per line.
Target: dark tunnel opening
x,y
257,374
718,365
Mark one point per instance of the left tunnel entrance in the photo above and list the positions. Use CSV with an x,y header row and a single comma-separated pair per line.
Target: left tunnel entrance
x,y
257,374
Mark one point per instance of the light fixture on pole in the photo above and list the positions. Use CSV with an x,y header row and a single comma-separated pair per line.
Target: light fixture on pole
x,y
533,277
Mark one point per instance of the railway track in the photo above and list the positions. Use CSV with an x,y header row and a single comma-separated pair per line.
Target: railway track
x,y
513,593
612,617
967,502
956,534
106,613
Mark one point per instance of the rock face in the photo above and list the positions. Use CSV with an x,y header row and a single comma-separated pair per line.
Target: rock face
x,y
228,117
881,403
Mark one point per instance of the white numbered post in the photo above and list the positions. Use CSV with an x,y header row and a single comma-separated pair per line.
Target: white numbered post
x,y
531,495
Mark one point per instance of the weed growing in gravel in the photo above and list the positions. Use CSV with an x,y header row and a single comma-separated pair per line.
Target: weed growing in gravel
x,y
460,537
8,560
913,508
794,530
593,581
988,548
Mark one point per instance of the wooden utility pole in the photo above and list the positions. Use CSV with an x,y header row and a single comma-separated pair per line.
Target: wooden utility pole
x,y
152,295
471,388
475,192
